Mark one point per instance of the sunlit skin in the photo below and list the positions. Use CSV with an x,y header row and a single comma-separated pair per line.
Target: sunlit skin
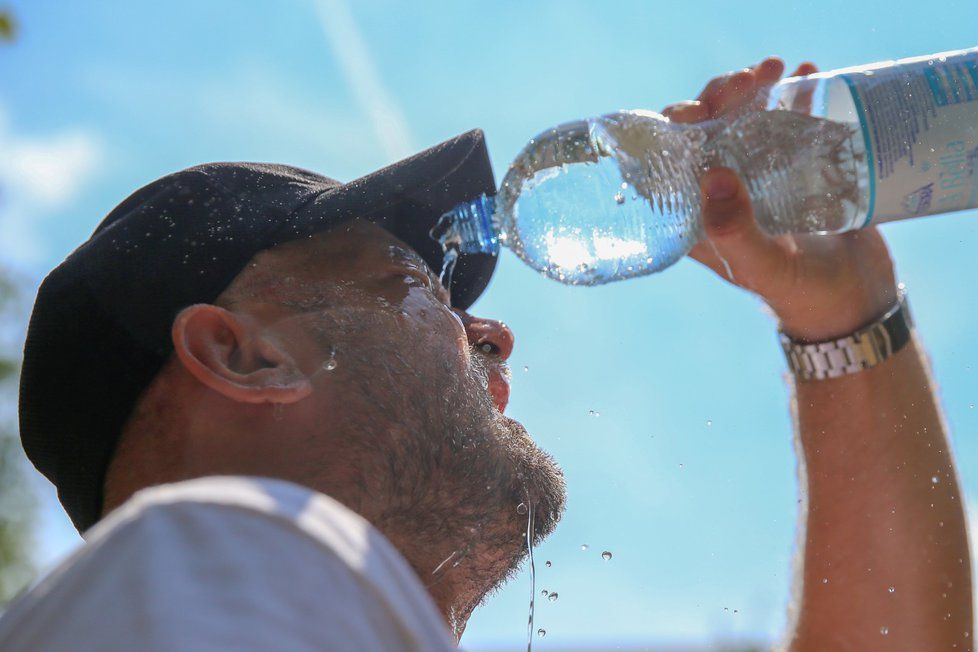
x,y
407,428
870,442
247,392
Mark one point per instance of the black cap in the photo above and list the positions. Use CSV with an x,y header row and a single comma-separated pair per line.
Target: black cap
x,y
100,330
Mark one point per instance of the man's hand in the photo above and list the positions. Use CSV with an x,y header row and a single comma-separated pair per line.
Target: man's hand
x,y
820,287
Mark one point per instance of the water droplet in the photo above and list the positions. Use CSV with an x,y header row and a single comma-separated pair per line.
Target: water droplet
x,y
525,368
329,365
584,547
606,555
545,593
971,406
541,632
648,261
892,589
552,597
934,479
825,580
521,508
549,564
681,466
709,423
619,198
884,630
594,413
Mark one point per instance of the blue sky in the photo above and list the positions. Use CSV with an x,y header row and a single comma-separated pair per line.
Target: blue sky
x,y
688,475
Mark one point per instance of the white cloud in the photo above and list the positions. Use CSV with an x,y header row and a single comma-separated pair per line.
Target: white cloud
x,y
39,175
361,74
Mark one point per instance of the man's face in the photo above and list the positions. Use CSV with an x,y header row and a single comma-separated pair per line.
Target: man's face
x,y
411,390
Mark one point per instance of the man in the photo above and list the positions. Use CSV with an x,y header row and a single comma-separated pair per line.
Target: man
x,y
295,434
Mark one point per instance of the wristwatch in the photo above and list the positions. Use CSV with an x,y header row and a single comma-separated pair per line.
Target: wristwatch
x,y
863,349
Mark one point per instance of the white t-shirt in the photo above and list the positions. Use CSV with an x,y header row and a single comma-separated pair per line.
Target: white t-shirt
x,y
228,563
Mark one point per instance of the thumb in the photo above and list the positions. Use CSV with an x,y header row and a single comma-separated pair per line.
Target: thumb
x,y
734,244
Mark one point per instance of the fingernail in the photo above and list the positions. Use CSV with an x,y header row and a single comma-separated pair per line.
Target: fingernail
x,y
719,186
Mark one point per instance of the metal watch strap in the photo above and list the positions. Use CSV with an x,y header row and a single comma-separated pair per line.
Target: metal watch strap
x,y
863,349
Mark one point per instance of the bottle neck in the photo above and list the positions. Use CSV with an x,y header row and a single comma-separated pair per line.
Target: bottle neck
x,y
468,228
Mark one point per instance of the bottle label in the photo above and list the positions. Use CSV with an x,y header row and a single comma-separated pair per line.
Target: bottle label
x,y
919,119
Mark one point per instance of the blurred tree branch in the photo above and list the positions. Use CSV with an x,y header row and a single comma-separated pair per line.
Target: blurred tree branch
x,y
17,501
8,26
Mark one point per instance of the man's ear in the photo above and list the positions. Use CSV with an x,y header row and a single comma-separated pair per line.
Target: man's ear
x,y
228,353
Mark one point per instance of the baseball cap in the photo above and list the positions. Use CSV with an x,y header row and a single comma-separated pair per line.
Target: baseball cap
x,y
100,328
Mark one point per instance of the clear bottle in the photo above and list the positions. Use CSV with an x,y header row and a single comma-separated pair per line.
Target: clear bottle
x,y
609,198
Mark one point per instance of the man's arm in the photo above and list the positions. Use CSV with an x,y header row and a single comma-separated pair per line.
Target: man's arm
x,y
886,563
886,555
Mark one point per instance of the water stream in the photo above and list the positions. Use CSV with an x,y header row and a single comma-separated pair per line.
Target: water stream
x,y
533,577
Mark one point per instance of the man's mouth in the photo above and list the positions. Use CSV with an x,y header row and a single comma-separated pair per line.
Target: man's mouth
x,y
498,388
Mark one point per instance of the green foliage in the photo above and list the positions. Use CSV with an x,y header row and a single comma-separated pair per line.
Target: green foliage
x,y
17,501
8,26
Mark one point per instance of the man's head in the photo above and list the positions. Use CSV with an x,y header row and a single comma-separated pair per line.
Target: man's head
x,y
262,319
337,362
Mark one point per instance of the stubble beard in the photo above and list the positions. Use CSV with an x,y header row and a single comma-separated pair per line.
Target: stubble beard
x,y
454,476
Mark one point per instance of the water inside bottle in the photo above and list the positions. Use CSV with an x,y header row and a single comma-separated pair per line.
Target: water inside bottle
x,y
576,203
618,196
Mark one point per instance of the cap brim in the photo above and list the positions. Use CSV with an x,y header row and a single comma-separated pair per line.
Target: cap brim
x,y
407,198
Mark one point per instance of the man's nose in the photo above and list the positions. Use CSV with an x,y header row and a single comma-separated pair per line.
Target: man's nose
x,y
493,337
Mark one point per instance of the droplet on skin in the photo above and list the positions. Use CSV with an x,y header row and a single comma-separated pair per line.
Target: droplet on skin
x,y
606,555
884,630
552,597
330,364
892,589
521,508
825,580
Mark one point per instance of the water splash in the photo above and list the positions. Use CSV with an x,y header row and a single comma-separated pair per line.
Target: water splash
x,y
331,363
723,261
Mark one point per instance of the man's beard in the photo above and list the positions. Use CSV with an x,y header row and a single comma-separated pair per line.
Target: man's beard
x,y
449,470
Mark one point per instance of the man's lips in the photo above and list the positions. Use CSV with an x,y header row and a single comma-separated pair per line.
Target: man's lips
x,y
498,388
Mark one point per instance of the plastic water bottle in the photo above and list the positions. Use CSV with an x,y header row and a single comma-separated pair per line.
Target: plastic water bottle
x,y
613,197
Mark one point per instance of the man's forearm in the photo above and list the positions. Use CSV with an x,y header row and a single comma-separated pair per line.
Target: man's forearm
x,y
886,563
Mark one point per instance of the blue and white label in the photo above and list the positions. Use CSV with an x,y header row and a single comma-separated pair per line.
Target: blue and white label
x,y
920,122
